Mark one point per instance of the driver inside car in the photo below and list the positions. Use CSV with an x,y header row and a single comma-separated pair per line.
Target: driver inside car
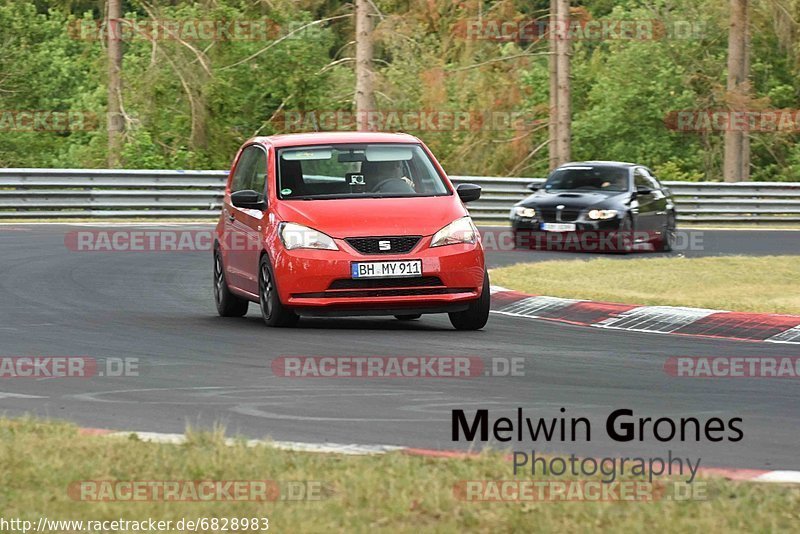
x,y
386,177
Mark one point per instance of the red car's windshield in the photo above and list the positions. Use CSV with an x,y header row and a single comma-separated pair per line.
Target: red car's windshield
x,y
357,171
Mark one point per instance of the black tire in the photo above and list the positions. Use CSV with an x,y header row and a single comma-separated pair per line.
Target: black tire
x,y
519,239
476,316
668,235
409,317
272,310
228,304
624,241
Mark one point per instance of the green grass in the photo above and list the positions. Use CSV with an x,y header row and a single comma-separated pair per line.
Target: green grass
x,y
767,284
389,493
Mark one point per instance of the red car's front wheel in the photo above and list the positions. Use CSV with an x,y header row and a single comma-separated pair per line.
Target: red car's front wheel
x,y
273,311
476,316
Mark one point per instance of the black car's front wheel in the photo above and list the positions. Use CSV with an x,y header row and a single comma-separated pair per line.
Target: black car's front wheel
x,y
668,235
228,304
520,239
476,316
624,242
273,311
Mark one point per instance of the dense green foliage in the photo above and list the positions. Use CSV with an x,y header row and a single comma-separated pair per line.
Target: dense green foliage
x,y
190,104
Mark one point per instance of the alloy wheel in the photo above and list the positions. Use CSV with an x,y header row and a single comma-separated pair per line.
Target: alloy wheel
x,y
266,290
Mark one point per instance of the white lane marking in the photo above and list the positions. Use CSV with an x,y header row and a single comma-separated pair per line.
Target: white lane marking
x,y
153,437
786,477
253,410
232,395
497,289
4,395
93,397
338,448
535,306
661,319
26,325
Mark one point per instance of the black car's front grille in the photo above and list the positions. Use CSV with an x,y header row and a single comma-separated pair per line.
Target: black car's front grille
x,y
384,245
383,283
552,215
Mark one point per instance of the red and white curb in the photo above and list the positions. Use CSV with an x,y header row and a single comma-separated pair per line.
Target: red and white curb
x,y
772,328
746,475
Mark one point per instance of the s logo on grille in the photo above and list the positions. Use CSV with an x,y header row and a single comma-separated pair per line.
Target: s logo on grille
x,y
384,245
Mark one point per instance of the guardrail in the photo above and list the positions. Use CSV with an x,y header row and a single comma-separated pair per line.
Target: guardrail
x,y
74,193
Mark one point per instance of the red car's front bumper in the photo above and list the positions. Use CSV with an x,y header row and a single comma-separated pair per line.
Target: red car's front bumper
x,y
319,281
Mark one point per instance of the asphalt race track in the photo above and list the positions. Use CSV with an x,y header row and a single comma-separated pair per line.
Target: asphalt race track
x,y
691,243
199,369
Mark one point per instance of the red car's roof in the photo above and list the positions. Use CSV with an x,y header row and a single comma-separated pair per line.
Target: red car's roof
x,y
326,138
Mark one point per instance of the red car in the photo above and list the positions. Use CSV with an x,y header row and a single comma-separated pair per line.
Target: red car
x,y
327,224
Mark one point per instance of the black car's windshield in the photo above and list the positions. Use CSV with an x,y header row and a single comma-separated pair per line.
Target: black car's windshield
x,y
588,178
357,171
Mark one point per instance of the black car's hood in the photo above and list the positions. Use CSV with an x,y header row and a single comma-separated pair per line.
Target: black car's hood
x,y
575,199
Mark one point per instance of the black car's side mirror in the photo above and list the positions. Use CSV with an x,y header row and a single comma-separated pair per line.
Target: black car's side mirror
x,y
248,199
643,190
533,186
468,192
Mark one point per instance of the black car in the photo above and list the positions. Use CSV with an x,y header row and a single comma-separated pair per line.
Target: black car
x,y
598,205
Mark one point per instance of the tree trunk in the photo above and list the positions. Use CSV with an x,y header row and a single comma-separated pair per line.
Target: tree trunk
x,y
746,134
734,164
552,126
563,51
365,95
115,122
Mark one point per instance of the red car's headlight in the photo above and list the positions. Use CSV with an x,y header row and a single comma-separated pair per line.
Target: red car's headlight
x,y
296,236
459,231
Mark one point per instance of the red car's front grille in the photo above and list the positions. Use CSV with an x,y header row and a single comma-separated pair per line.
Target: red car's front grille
x,y
369,293
384,245
386,283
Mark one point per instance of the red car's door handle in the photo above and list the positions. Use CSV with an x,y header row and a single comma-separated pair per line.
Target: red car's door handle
x,y
231,217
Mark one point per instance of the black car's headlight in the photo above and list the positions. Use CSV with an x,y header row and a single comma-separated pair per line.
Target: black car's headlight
x,y
599,215
521,211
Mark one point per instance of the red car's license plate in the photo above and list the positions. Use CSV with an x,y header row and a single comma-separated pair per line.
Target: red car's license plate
x,y
386,269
